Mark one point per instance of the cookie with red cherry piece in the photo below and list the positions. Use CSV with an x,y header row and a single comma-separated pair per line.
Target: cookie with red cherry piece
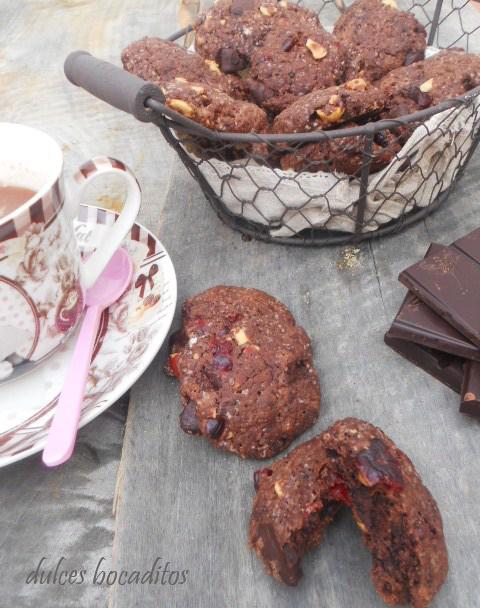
x,y
353,464
247,380
160,61
213,108
379,38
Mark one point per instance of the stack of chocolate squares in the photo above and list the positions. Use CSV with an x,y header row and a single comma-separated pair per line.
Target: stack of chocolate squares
x,y
438,325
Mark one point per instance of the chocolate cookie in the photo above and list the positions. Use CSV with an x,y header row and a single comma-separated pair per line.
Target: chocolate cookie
x,y
231,29
246,374
354,464
379,38
346,154
160,61
328,107
296,57
213,108
447,74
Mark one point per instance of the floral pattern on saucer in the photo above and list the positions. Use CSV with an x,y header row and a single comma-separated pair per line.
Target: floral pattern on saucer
x,y
131,333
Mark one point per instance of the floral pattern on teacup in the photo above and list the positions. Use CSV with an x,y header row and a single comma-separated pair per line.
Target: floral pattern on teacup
x,y
44,264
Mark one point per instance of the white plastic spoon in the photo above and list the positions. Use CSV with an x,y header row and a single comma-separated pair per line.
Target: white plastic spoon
x,y
107,289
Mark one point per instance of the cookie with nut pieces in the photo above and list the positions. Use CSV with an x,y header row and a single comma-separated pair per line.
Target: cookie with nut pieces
x,y
378,38
232,32
353,464
296,57
229,31
326,108
213,108
346,154
160,61
446,75
247,380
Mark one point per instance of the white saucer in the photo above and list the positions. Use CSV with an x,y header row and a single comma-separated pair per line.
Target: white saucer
x,y
131,333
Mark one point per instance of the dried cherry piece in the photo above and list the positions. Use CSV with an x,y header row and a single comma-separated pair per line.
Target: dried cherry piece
x,y
376,465
189,422
214,427
339,492
172,365
257,474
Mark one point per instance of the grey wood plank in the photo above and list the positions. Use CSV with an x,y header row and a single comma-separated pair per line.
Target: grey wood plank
x,y
68,512
197,519
62,512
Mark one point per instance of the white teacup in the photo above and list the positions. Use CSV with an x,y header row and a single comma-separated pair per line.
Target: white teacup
x,y
42,276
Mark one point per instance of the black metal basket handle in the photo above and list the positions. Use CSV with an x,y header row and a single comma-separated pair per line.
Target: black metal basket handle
x,y
112,84
125,91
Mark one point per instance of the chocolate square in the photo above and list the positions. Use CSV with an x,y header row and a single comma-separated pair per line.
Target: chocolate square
x,y
449,283
416,322
442,366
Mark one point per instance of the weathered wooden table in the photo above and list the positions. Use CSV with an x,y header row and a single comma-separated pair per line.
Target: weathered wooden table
x,y
175,497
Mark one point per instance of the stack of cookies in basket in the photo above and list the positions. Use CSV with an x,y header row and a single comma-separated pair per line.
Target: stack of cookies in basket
x,y
438,325
264,66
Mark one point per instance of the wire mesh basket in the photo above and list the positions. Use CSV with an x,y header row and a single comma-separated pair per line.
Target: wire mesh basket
x,y
285,188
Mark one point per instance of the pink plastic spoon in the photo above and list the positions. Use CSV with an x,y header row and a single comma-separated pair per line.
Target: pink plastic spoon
x,y
108,288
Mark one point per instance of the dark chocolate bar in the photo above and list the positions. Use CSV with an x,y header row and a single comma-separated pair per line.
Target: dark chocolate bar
x,y
449,282
470,402
416,322
442,366
470,245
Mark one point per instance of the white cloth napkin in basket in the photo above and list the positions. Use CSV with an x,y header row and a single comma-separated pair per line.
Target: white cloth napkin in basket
x,y
288,202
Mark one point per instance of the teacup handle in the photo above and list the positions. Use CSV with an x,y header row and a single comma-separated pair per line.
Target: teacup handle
x,y
100,165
